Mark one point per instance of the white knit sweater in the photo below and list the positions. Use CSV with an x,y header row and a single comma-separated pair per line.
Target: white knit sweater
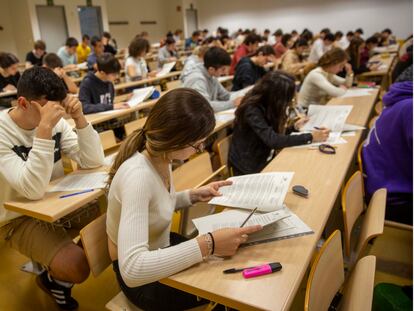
x,y
138,221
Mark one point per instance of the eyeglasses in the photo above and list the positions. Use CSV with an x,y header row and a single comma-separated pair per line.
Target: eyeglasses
x,y
199,148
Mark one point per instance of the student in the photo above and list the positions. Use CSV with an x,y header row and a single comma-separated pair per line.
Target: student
x,y
387,38
177,35
292,61
345,40
260,124
322,82
33,136
83,50
204,79
320,47
142,199
9,73
193,41
370,44
98,50
108,48
358,33
35,57
97,89
52,61
295,35
135,65
387,154
168,53
354,51
277,37
194,60
266,36
250,45
204,34
67,53
251,68
338,37
284,45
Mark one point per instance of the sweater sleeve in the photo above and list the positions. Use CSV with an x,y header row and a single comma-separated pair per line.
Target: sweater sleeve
x,y
138,264
322,82
85,148
256,120
182,200
28,177
88,104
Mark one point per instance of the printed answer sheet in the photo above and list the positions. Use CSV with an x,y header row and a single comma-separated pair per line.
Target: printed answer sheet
x,y
75,182
332,117
240,93
166,68
358,92
139,95
267,191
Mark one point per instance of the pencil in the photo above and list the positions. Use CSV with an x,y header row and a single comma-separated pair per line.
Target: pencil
x,y
248,217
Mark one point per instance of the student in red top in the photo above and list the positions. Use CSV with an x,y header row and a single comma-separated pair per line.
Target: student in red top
x,y
282,46
249,45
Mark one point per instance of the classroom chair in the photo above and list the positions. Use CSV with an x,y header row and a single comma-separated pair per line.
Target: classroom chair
x,y
327,278
194,173
95,243
171,85
223,147
371,122
134,125
353,206
378,107
108,141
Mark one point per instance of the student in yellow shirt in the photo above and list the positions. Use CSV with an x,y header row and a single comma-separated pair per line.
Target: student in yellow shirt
x,y
83,50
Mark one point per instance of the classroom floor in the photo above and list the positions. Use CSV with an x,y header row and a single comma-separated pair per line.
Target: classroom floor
x,y
19,292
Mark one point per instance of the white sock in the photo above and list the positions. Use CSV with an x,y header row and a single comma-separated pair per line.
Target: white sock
x,y
61,283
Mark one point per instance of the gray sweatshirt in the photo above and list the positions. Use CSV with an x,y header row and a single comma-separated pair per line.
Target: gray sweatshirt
x,y
208,86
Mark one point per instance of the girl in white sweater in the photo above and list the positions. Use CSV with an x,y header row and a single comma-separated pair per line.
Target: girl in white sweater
x,y
142,200
322,83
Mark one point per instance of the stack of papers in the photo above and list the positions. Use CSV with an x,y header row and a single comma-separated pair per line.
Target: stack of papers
x,y
225,115
139,95
332,117
82,66
75,182
266,191
333,139
357,92
166,68
240,93
281,224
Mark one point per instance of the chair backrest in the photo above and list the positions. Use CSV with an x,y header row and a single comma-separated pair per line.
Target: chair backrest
x,y
326,276
359,288
223,147
174,84
373,223
95,244
108,139
372,121
134,125
352,206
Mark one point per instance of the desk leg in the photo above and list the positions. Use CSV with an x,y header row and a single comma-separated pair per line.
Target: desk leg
x,y
32,267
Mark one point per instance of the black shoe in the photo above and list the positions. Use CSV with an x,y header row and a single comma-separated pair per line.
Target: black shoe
x,y
61,294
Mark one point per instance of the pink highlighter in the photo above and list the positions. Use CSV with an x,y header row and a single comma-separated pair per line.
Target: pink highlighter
x,y
261,270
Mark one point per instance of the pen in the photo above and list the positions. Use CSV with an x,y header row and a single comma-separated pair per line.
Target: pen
x,y
318,128
75,193
248,217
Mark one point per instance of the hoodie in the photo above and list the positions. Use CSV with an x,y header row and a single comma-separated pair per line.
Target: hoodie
x,y
96,95
387,153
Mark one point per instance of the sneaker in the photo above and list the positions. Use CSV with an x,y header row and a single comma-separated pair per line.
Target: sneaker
x,y
61,294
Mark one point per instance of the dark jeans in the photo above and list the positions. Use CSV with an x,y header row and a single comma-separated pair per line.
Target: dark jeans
x,y
400,208
156,296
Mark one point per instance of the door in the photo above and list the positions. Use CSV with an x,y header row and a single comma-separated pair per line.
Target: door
x,y
90,19
52,25
191,21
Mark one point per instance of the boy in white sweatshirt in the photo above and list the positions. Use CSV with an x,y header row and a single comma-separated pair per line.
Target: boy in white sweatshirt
x,y
32,137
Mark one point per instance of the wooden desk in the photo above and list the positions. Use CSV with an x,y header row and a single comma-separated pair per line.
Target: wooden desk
x,y
145,81
51,208
387,61
323,175
8,93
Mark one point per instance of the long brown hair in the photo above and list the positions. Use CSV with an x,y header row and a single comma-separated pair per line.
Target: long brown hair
x,y
332,57
273,93
181,117
353,51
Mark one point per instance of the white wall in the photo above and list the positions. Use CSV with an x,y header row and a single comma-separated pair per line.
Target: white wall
x,y
7,43
371,15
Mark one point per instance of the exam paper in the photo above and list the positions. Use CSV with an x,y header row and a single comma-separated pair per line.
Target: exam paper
x,y
239,93
83,65
109,160
333,139
351,127
75,182
332,117
224,117
267,191
235,218
139,95
166,68
357,92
